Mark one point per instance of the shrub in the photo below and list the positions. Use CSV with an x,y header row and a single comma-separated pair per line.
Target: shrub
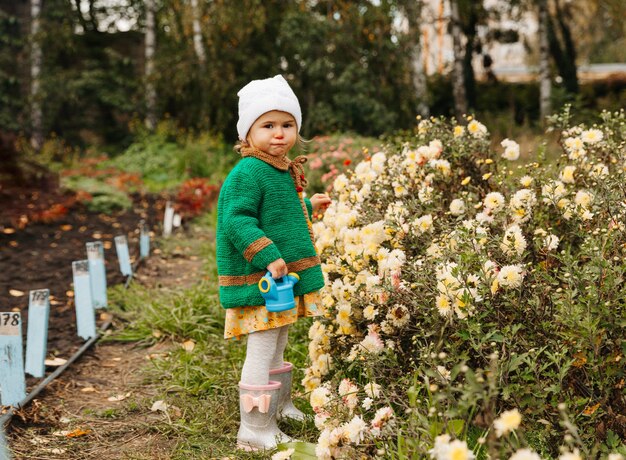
x,y
466,296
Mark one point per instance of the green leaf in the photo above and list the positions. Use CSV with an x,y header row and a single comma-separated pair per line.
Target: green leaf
x,y
456,426
302,450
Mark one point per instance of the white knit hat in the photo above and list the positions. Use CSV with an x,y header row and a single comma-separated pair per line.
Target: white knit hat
x,y
261,96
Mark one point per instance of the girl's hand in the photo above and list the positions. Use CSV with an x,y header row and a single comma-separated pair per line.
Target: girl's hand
x,y
320,200
278,268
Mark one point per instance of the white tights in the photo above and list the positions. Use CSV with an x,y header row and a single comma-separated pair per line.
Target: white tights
x,y
264,352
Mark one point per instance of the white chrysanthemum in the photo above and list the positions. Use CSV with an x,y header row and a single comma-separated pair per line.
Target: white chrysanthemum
x,y
444,306
525,454
340,183
355,429
513,241
567,174
372,342
382,416
575,455
457,207
320,397
372,390
398,315
370,312
441,443
508,421
452,450
551,242
367,403
423,224
399,189
583,198
425,194
443,166
476,129
592,136
378,162
511,149
494,201
573,143
511,276
526,181
458,131
322,449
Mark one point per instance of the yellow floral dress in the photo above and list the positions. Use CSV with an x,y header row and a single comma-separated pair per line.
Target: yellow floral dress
x,y
244,320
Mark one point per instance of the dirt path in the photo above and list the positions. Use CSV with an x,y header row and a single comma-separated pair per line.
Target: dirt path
x,y
102,406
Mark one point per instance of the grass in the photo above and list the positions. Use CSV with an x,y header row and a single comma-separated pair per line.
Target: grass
x,y
201,384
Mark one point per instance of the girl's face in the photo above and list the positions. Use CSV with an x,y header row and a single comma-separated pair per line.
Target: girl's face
x,y
274,133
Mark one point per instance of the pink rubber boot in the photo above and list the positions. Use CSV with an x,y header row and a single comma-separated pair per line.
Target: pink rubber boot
x,y
286,409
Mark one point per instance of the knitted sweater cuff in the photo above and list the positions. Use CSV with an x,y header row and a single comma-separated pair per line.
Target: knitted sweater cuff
x,y
309,208
266,256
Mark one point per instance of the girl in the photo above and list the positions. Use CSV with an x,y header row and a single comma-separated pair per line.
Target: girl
x,y
264,224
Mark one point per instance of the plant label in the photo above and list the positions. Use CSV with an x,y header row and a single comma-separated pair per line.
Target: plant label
x,y
144,240
85,314
121,246
97,274
37,332
168,219
12,379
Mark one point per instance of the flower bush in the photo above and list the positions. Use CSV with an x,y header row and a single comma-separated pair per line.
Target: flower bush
x,y
474,306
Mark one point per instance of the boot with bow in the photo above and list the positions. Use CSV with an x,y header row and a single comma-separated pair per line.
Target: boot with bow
x,y
286,409
258,405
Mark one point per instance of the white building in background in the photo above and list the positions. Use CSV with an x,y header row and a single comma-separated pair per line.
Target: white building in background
x,y
511,61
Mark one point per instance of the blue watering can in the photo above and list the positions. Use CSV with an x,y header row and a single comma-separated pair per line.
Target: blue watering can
x,y
278,294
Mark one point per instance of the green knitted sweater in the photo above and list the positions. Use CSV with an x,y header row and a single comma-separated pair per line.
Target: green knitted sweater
x,y
261,217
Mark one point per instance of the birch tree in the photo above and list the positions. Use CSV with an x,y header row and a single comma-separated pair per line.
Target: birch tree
x,y
545,85
197,32
458,80
413,10
150,40
36,113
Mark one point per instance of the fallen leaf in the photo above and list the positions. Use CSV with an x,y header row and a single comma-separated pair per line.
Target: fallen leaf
x,y
156,333
589,410
57,451
65,420
13,244
580,361
55,362
66,227
8,231
159,405
69,293
78,432
175,411
61,433
189,345
55,302
107,245
97,235
16,293
116,359
88,390
119,397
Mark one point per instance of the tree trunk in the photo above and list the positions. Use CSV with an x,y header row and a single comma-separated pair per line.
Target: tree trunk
x,y
150,40
545,85
565,59
197,32
458,80
413,11
36,113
